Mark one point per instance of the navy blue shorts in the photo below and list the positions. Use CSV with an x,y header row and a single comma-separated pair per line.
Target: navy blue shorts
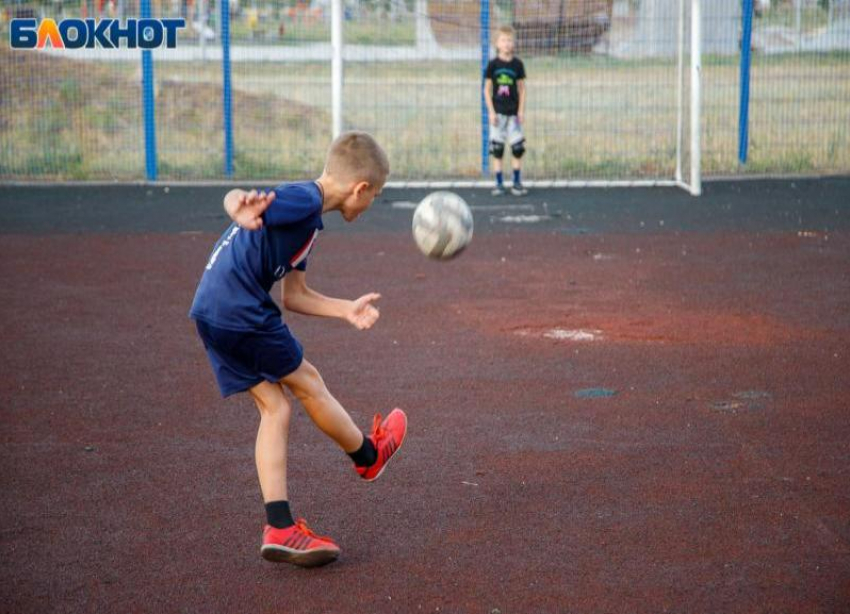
x,y
243,359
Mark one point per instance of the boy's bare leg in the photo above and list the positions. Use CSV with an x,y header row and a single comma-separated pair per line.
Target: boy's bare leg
x,y
284,540
497,165
516,163
272,439
324,410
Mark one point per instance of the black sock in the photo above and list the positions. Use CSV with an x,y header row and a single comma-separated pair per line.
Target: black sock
x,y
278,514
366,455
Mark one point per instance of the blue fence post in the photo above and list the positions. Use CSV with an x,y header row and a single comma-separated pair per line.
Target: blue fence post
x,y
485,59
148,103
744,111
227,102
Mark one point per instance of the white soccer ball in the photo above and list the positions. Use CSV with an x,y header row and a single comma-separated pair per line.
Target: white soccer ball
x,y
442,225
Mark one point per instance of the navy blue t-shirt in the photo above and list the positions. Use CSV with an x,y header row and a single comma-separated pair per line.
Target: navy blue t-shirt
x,y
245,264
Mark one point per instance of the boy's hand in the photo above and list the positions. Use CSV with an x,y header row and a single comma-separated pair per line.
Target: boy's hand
x,y
494,119
520,117
363,314
246,208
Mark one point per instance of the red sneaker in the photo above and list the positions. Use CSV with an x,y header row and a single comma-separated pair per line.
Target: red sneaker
x,y
297,545
387,436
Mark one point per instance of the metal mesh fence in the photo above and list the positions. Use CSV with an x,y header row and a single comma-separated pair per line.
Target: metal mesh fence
x,y
282,120
62,118
279,123
799,88
603,89
590,115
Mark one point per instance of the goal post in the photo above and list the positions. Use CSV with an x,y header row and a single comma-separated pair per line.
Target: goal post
x,y
695,186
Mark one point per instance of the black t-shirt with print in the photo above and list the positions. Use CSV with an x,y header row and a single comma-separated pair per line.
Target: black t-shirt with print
x,y
504,76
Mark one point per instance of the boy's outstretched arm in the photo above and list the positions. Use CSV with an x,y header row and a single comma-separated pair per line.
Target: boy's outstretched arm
x,y
488,98
246,208
297,297
522,97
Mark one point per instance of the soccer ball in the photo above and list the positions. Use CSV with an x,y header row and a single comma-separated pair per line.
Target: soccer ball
x,y
442,225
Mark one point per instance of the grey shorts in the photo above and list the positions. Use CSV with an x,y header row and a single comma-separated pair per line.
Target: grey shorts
x,y
507,130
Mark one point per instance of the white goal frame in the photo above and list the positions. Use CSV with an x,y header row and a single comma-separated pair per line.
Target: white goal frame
x,y
692,183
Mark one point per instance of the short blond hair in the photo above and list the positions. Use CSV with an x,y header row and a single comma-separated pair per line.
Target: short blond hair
x,y
356,156
506,29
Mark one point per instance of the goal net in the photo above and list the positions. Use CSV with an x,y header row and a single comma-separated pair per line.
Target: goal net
x,y
612,90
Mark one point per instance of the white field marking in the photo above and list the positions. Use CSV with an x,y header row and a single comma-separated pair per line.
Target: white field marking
x,y
407,204
598,257
523,219
502,207
469,483
563,334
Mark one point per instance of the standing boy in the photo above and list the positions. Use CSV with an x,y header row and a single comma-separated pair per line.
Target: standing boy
x,y
251,349
504,92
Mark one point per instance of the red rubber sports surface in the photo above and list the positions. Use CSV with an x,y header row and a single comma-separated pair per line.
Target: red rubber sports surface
x,y
693,457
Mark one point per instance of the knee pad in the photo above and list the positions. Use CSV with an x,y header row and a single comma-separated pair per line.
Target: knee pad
x,y
497,149
517,149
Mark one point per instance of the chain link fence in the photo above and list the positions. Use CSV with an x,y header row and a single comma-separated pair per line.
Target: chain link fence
x,y
607,88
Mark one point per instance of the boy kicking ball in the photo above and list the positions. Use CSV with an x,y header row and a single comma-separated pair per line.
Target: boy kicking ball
x,y
251,349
